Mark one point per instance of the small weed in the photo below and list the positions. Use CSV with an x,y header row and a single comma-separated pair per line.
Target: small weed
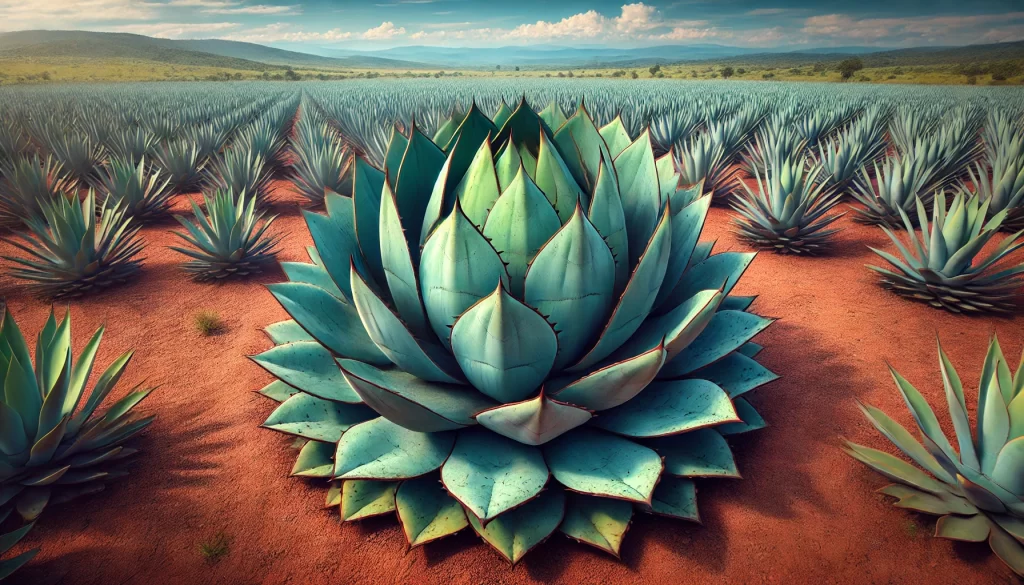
x,y
208,323
214,549
911,528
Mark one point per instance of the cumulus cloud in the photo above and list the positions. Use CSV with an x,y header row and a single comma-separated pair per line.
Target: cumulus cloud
x,y
22,14
280,32
386,30
947,29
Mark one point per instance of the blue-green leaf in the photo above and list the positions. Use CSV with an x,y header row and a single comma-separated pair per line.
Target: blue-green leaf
x,y
534,421
610,221
426,511
601,464
726,332
367,498
668,408
677,498
313,418
701,453
308,366
367,184
380,449
420,165
600,522
518,531
478,189
399,270
611,385
641,194
555,180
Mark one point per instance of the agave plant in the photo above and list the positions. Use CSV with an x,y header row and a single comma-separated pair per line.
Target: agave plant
x,y
132,144
80,248
704,161
230,240
27,184
182,164
7,542
78,154
978,489
1002,187
208,138
54,448
941,268
322,166
897,184
841,160
144,195
773,142
789,211
242,171
480,322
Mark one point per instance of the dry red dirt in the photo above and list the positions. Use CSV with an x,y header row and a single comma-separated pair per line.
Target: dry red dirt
x,y
804,512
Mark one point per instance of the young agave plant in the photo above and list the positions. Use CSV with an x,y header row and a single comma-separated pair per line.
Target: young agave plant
x,y
941,268
28,183
144,195
230,240
978,492
897,184
242,171
704,161
182,164
841,160
78,154
131,144
482,321
773,142
54,448
788,212
7,542
1003,187
78,248
321,167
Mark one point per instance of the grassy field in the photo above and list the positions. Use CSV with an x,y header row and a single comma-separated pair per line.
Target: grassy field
x,y
62,69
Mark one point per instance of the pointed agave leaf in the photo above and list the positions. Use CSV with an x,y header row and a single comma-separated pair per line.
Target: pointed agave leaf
x,y
395,341
601,464
599,522
1008,550
314,274
1008,470
571,281
641,194
367,184
615,136
367,498
503,114
399,270
334,495
676,329
935,504
397,146
726,332
677,498
335,238
518,531
736,373
288,331
993,426
552,116
906,442
610,220
958,411
534,421
278,391
332,322
966,529
7,541
426,511
458,268
525,129
419,405
668,176
479,189
474,129
615,384
520,222
932,434
711,273
750,420
504,347
701,453
380,449
490,474
308,366
556,181
668,408
314,460
583,146
312,418
421,164
637,300
687,224
894,468
507,166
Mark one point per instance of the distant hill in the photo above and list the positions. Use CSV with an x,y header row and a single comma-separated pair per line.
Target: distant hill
x,y
206,53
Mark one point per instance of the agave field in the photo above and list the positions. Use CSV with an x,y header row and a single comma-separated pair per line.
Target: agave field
x,y
499,331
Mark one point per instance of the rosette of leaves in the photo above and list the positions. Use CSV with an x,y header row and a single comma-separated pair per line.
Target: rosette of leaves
x,y
241,170
55,445
977,486
897,185
513,332
143,194
27,183
1001,184
77,248
181,162
945,267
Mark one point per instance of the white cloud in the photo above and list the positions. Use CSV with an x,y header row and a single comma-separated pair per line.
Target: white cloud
x,y
22,14
176,30
945,29
386,30
257,9
282,32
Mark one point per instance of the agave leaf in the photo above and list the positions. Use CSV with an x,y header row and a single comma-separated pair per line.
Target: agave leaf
x,y
676,329
32,501
394,340
583,146
935,504
615,136
599,522
13,435
472,132
641,193
426,511
556,181
367,498
399,269
503,114
687,223
397,145
958,411
380,449
701,453
458,268
278,391
288,331
1008,550
1008,470
1011,524
335,238
420,166
726,332
711,273
479,188
668,408
552,115
310,417
81,372
520,222
734,303
736,374
900,437
966,529
571,281
993,425
522,127
677,498
935,440
612,385
598,463
308,366
534,421
504,347
333,495
490,474
507,165
637,300
610,220
314,274
329,320
894,468
367,184
314,460
751,420
45,446
416,404
518,531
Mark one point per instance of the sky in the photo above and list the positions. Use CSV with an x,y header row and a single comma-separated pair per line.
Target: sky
x,y
378,24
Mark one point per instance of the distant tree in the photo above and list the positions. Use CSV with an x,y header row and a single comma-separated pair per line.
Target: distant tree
x,y
847,67
633,74
741,71
291,75
560,74
727,72
654,70
498,67
517,67
569,74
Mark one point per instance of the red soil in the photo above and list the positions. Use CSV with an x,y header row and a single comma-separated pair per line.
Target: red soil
x,y
805,512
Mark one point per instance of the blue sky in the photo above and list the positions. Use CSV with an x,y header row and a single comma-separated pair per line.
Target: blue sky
x,y
386,23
